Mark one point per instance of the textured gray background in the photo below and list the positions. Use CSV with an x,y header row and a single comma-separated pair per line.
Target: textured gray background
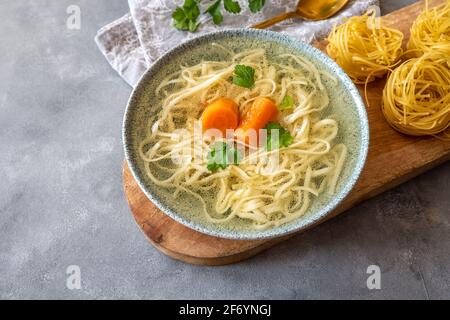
x,y
61,199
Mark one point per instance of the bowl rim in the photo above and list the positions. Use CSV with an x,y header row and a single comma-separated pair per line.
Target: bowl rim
x,y
296,225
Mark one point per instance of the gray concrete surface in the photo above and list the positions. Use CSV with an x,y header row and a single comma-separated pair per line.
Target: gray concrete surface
x,y
61,199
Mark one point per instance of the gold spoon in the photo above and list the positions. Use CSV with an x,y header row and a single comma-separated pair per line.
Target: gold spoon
x,y
308,10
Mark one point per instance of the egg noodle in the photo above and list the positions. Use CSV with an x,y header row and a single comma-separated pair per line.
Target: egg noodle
x,y
431,29
364,48
416,99
268,188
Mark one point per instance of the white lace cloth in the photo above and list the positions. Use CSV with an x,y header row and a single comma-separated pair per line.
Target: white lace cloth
x,y
132,43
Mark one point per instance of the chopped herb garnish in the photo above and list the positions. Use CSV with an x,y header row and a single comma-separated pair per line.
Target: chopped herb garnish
x,y
276,141
287,103
244,76
256,5
221,156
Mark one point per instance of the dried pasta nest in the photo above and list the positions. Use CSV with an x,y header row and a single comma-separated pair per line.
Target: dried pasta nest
x,y
430,30
416,99
364,48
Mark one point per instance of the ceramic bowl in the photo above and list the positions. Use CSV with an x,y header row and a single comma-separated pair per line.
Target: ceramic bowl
x,y
346,105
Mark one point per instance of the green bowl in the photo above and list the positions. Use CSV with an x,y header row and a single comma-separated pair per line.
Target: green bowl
x,y
346,105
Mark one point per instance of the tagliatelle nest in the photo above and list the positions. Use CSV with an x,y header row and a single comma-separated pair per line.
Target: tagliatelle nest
x,y
416,99
430,30
364,48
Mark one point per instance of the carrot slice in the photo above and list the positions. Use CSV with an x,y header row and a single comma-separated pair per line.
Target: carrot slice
x,y
222,114
262,111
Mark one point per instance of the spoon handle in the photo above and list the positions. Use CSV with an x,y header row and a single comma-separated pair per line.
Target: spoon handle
x,y
271,22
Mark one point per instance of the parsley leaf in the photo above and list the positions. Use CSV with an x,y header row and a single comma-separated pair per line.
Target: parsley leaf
x,y
191,8
185,17
284,137
214,11
256,5
244,76
287,103
222,155
231,6
178,14
193,26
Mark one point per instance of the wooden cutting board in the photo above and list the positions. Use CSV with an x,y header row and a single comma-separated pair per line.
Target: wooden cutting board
x,y
393,159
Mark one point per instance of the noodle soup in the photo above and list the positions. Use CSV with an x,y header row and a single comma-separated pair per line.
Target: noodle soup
x,y
286,136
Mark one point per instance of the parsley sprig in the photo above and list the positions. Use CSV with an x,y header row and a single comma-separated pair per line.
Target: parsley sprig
x,y
221,156
185,17
244,76
276,141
